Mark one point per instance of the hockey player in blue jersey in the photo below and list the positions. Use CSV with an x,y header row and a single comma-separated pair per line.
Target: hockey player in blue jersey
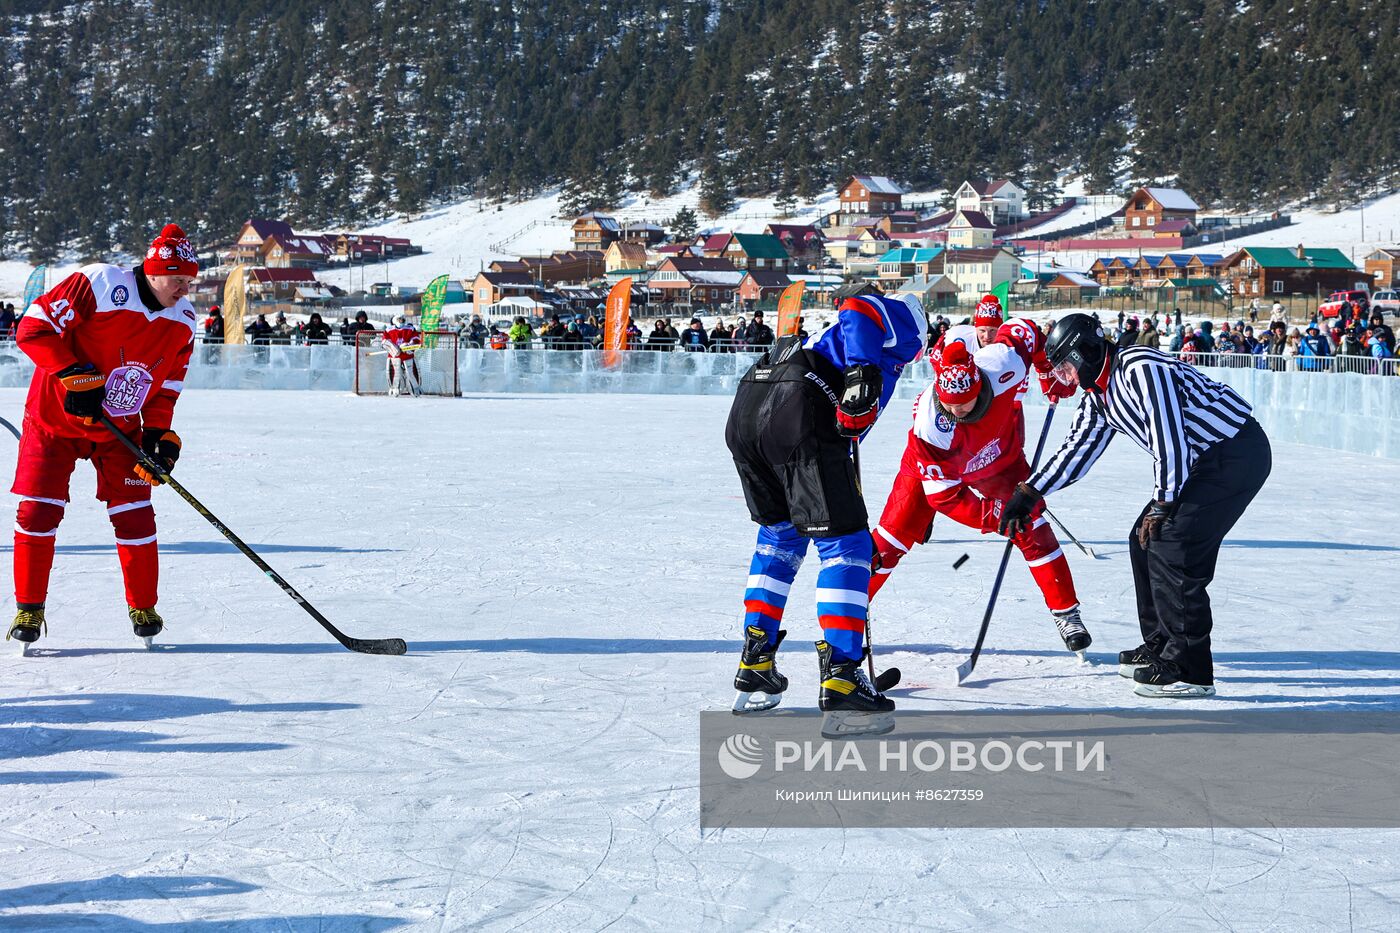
x,y
790,431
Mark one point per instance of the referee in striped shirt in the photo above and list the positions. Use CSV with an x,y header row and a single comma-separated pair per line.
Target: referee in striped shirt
x,y
1211,457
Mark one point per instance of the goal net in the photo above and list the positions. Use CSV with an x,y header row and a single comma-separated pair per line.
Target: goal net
x,y
436,361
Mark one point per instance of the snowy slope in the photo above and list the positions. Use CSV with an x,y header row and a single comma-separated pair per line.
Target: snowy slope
x,y
532,763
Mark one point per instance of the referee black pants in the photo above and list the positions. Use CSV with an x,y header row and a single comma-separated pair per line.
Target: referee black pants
x,y
1172,573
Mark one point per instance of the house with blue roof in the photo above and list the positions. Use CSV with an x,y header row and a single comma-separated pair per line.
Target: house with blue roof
x,y
900,265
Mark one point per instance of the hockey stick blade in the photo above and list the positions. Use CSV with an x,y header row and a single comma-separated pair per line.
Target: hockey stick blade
x,y
376,645
888,679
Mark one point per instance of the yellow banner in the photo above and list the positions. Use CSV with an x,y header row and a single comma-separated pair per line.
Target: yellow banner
x,y
615,323
235,305
790,308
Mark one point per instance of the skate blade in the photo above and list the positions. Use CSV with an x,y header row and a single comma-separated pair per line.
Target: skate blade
x,y
1083,657
842,724
1126,670
1176,691
149,641
24,647
755,701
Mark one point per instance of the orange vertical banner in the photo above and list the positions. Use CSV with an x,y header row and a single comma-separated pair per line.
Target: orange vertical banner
x,y
790,308
615,322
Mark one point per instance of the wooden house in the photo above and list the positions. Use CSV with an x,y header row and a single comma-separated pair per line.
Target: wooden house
x,y
1002,200
595,231
278,284
869,195
1148,208
489,288
695,280
803,242
255,231
756,251
900,265
625,254
283,251
1383,268
759,285
970,230
1263,272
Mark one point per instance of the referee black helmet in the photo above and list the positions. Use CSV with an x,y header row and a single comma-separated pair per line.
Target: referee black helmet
x,y
1079,340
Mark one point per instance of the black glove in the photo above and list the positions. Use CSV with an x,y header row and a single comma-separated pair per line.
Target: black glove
x,y
1017,512
85,389
163,446
860,401
1157,514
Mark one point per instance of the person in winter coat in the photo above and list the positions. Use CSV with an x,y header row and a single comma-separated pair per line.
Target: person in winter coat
x,y
1379,328
361,323
1277,315
634,333
259,332
282,331
1276,346
695,340
214,326
1148,336
520,334
1351,353
1292,347
1178,339
553,334
658,339
318,333
591,332
758,336
1127,331
1312,349
719,338
1254,311
476,333
8,321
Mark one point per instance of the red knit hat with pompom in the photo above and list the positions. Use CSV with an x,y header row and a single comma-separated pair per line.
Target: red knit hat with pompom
x,y
959,379
988,313
171,254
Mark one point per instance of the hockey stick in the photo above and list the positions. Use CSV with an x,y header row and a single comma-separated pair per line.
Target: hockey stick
x,y
1068,534
362,645
888,678
965,668
11,428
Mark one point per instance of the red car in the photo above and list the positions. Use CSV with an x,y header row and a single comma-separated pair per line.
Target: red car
x,y
1332,307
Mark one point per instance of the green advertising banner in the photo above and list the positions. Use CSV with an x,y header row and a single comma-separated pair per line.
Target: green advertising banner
x,y
434,296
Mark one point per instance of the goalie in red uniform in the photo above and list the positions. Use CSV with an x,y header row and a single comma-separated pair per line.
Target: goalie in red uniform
x,y
114,341
400,341
965,455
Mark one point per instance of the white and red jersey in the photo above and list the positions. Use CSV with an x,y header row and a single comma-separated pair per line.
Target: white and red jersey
x,y
106,316
397,339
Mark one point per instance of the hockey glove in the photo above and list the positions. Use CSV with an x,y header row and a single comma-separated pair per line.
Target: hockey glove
x,y
1150,528
860,402
1053,388
1019,510
161,445
85,389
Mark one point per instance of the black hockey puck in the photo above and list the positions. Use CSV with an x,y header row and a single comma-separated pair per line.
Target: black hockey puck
x,y
959,562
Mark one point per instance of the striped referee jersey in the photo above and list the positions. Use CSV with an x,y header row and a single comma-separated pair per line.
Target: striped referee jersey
x,y
1169,409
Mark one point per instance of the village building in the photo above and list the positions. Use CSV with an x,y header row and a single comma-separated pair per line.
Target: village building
x,y
695,281
1073,286
648,234
278,284
249,242
756,251
803,242
625,254
490,288
1149,208
970,230
867,196
933,291
900,265
977,271
1264,272
282,251
1002,200
595,231
759,285
1383,268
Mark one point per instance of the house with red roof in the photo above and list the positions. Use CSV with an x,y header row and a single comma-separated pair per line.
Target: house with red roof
x,y
1001,200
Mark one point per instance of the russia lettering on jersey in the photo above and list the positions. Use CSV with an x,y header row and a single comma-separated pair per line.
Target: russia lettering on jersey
x,y
97,316
875,330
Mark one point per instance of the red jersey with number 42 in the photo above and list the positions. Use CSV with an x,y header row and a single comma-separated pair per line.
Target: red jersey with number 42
x,y
96,316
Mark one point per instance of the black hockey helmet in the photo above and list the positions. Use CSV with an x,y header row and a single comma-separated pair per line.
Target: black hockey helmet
x,y
1079,340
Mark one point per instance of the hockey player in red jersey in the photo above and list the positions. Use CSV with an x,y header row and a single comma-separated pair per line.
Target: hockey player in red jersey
x,y
114,341
965,455
401,340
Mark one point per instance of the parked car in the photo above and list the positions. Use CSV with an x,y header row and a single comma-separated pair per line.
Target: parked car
x,y
1333,305
1386,302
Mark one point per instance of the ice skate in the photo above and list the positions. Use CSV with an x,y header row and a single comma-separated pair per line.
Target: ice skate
x,y
28,625
1076,637
146,624
1130,661
1162,679
759,684
852,705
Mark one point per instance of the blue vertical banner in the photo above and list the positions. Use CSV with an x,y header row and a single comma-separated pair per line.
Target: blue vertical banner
x,y
35,286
